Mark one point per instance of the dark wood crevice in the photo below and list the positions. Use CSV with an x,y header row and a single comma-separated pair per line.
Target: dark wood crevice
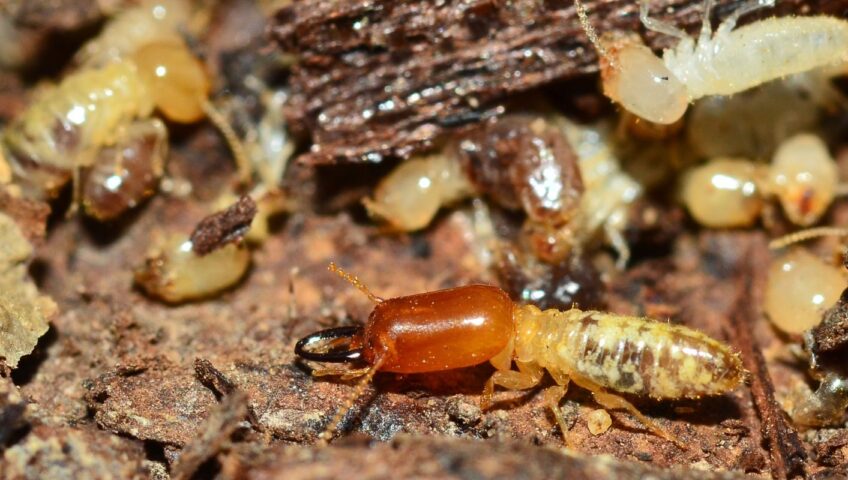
x,y
384,78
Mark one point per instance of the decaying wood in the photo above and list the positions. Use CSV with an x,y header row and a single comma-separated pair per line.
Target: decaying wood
x,y
382,78
788,457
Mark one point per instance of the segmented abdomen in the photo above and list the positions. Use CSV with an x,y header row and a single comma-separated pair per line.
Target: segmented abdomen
x,y
630,354
67,125
645,357
763,51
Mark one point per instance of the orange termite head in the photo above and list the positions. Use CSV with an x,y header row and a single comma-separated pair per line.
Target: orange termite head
x,y
427,332
440,330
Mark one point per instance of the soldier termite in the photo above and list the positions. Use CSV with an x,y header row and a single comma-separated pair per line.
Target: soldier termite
x,y
728,61
731,192
108,105
464,326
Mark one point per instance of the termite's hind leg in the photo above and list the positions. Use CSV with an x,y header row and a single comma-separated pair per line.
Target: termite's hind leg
x,y
528,376
656,25
612,401
749,6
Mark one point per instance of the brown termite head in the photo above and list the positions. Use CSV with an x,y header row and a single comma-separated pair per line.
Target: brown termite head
x,y
804,177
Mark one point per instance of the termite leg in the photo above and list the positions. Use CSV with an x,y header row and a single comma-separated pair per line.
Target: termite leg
x,y
325,436
343,373
729,23
614,402
233,141
528,376
619,244
706,26
76,191
553,395
807,234
658,25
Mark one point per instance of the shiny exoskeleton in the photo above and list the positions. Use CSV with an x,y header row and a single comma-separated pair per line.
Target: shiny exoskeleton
x,y
464,326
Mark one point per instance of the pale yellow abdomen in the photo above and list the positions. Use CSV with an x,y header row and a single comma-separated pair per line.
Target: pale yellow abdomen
x,y
626,354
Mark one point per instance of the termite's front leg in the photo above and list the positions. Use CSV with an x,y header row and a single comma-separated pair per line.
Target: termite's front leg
x,y
344,373
528,376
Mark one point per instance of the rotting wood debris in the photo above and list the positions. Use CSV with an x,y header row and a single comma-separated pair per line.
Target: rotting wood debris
x,y
126,387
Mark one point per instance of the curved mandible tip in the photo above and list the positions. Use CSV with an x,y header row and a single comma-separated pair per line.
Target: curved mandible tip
x,y
332,353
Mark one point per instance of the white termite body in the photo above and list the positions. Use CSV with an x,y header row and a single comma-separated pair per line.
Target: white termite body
x,y
726,62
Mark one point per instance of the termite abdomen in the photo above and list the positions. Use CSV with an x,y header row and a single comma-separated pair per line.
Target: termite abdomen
x,y
523,163
642,357
125,174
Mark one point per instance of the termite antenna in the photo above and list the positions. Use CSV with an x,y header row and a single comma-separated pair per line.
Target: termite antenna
x,y
803,235
232,139
330,430
355,281
590,32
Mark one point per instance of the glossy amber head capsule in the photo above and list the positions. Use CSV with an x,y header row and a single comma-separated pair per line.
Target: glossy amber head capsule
x,y
440,330
428,332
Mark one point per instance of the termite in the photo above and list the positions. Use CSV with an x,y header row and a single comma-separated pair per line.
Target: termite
x,y
731,192
799,289
728,61
604,353
64,130
212,259
564,177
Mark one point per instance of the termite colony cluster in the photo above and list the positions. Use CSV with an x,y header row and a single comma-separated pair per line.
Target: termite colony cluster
x,y
735,129
103,128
